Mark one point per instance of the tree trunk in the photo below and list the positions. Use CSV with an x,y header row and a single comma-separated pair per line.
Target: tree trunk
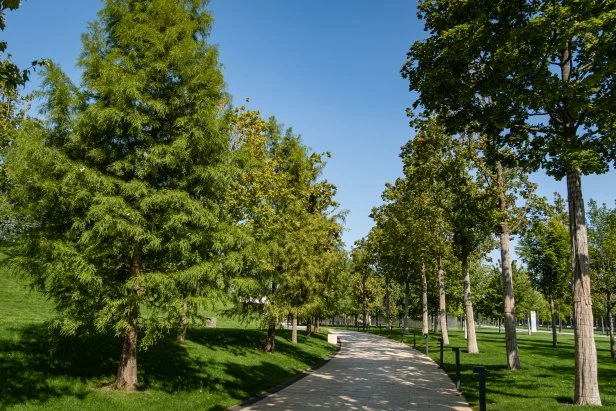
x,y
270,340
610,325
441,302
126,378
183,321
586,381
425,322
553,314
511,339
294,329
471,341
528,322
316,325
407,292
387,308
309,326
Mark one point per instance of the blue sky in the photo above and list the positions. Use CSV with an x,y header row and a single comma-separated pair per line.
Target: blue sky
x,y
330,69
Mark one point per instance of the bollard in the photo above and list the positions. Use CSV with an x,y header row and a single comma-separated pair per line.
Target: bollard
x,y
440,342
427,337
457,351
482,387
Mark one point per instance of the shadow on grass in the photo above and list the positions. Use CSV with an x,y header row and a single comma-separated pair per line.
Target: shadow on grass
x,y
34,369
31,371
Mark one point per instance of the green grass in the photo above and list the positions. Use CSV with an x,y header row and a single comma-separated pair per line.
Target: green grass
x,y
213,370
545,381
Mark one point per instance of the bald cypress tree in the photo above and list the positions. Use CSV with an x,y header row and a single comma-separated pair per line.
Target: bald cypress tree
x,y
123,183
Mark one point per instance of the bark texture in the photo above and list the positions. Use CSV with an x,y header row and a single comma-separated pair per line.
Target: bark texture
x,y
554,315
183,321
586,381
425,321
442,303
126,378
471,341
270,339
610,325
407,294
294,329
511,339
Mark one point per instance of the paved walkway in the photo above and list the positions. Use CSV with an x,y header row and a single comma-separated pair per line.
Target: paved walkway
x,y
370,373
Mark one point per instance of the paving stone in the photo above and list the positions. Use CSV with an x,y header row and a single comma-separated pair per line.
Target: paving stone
x,y
370,373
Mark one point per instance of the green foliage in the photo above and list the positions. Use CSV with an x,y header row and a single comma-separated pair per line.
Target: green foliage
x,y
292,257
122,185
545,250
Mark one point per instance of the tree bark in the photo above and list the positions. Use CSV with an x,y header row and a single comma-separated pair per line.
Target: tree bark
x,y
553,314
511,339
309,326
442,304
270,339
183,321
471,341
610,325
387,308
316,325
294,329
407,292
425,322
126,378
586,381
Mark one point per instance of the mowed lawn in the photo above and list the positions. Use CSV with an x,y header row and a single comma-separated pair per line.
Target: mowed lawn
x,y
213,370
545,381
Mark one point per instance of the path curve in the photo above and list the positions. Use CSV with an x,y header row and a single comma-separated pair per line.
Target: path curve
x,y
370,373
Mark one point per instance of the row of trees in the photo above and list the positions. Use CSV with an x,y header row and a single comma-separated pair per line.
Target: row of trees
x,y
141,193
503,90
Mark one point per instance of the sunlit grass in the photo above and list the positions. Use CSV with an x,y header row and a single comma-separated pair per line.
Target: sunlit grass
x,y
545,382
214,369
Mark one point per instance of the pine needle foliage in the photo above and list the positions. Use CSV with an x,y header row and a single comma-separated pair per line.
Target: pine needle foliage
x,y
124,181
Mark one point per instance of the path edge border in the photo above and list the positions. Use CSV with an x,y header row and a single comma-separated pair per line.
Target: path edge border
x,y
290,381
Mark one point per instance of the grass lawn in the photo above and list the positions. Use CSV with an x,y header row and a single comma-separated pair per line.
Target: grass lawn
x,y
545,381
213,370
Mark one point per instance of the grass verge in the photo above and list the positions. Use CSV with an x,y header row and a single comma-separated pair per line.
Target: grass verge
x,y
545,382
213,370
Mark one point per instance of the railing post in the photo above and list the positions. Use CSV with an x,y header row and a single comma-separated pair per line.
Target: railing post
x,y
482,387
457,351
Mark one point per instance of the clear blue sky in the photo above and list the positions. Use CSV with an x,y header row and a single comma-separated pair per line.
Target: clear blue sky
x,y
328,68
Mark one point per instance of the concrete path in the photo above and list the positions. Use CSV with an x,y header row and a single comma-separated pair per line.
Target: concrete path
x,y
370,373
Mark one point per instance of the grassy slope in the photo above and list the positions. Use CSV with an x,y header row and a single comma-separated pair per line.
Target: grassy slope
x,y
214,369
545,381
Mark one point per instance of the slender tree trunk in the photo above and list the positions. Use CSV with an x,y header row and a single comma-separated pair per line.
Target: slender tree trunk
x,y
270,340
511,339
553,314
586,381
309,326
528,322
610,325
471,341
441,302
126,378
316,325
387,307
183,320
435,324
407,293
425,322
294,329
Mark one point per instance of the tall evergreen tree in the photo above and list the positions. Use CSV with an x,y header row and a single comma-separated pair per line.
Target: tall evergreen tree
x,y
124,182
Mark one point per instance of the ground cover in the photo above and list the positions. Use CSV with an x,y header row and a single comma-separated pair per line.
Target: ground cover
x,y
545,381
213,370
